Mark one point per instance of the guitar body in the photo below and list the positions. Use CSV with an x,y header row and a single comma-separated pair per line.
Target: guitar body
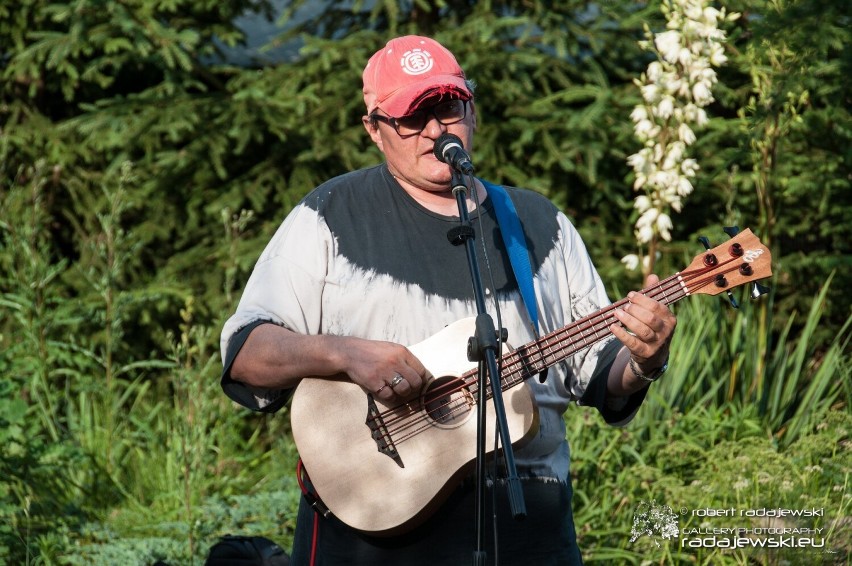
x,y
385,492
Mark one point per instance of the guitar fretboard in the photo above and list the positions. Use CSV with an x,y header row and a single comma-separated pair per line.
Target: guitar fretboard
x,y
536,356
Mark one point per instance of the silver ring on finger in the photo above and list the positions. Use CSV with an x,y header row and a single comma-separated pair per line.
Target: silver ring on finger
x,y
397,379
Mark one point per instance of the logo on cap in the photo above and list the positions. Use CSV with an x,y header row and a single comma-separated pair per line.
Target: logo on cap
x,y
416,62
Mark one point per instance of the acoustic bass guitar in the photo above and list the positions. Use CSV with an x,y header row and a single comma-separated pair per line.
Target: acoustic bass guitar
x,y
385,469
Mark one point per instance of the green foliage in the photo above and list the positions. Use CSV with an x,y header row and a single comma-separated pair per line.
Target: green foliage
x,y
141,173
709,459
790,389
779,161
39,490
141,538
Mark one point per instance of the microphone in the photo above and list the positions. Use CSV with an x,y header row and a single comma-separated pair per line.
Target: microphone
x,y
449,149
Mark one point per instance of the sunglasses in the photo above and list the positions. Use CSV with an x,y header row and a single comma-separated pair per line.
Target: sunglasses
x,y
446,113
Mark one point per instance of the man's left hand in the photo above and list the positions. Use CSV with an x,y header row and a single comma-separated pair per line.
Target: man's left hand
x,y
646,329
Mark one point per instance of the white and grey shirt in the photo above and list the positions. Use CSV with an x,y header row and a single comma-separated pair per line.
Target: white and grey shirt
x,y
360,257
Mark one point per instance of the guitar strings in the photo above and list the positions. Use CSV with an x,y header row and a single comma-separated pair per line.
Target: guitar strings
x,y
516,365
454,407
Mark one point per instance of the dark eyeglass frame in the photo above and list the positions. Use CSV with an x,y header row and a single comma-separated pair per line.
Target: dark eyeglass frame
x,y
424,115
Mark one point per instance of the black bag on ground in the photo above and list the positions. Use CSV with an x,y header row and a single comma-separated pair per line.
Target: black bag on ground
x,y
246,551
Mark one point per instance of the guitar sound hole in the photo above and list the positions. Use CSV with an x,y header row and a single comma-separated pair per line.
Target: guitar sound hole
x,y
448,401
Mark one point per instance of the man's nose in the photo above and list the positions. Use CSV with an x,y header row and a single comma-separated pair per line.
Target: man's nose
x,y
433,128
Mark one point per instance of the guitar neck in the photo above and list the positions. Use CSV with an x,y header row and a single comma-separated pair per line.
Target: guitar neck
x,y
740,260
538,355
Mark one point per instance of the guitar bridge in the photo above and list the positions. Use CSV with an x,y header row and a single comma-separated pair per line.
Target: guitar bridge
x,y
379,432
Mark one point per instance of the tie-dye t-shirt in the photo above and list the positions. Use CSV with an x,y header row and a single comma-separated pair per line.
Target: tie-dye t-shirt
x,y
360,257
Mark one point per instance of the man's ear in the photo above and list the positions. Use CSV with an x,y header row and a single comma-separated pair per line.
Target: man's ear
x,y
372,127
472,115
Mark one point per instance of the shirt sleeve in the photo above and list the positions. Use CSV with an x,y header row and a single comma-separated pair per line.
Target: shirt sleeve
x,y
285,288
595,394
588,371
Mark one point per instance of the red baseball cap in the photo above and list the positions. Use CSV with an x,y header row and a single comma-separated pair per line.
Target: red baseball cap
x,y
399,76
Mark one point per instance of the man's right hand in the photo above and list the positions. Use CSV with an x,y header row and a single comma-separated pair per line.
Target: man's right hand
x,y
386,369
278,358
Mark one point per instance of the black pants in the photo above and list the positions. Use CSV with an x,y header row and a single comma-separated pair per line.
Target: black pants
x,y
545,537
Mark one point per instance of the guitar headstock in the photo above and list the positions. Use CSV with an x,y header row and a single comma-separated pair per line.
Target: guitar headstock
x,y
738,261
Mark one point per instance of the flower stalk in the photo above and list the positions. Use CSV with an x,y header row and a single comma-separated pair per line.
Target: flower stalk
x,y
675,89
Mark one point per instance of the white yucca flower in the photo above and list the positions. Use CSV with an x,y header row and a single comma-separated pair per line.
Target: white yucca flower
x,y
631,261
675,89
668,45
685,133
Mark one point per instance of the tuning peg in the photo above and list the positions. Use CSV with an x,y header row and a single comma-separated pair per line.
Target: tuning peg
x,y
721,281
731,230
704,240
758,290
733,300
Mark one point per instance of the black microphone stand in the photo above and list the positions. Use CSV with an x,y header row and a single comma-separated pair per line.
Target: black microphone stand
x,y
483,348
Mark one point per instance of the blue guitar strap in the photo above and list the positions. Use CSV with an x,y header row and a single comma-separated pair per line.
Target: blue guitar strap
x,y
516,245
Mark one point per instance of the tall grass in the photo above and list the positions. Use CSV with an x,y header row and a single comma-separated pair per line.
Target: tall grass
x,y
708,438
39,490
